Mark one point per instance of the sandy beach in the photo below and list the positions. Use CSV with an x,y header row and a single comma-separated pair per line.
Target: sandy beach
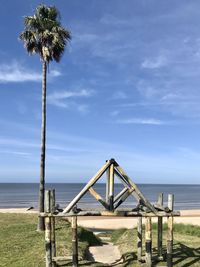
x,y
109,223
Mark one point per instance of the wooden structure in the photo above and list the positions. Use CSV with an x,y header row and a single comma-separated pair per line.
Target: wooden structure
x,y
110,204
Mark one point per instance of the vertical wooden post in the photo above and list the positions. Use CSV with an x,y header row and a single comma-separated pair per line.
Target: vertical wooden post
x,y
107,185
53,239
148,241
139,239
48,231
74,242
111,188
170,232
171,202
160,228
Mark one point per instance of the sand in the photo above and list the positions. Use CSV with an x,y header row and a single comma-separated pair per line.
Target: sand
x,y
109,223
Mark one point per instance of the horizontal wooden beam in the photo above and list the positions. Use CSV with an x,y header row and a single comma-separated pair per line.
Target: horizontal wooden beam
x,y
118,213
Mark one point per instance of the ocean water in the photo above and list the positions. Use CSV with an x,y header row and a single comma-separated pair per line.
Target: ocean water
x,y
24,195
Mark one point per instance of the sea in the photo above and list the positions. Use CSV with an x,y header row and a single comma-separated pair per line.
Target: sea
x,y
25,195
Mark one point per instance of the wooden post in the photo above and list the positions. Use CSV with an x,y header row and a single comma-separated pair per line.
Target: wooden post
x,y
148,241
171,202
160,228
53,239
48,231
139,239
107,185
111,188
74,242
170,232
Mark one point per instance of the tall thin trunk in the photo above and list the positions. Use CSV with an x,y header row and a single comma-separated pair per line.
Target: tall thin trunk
x,y
43,148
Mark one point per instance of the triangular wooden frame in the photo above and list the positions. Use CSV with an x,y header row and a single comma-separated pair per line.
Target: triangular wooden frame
x,y
111,203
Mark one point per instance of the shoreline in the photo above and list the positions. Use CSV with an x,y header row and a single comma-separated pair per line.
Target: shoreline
x,y
112,223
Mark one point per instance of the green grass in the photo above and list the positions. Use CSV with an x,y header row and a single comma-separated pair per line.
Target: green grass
x,y
22,246
186,245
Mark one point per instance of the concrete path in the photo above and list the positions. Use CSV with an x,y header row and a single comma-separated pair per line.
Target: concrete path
x,y
107,253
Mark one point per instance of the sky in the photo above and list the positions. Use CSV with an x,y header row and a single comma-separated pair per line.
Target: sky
x,y
127,87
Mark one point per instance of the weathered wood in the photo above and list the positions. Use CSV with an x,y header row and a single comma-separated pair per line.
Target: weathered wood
x,y
139,239
138,192
118,213
118,196
171,202
124,197
98,198
48,254
107,185
170,242
74,242
148,242
126,184
53,238
160,228
111,188
92,181
64,258
170,232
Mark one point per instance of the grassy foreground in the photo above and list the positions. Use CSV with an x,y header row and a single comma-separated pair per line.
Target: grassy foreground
x,y
186,245
22,246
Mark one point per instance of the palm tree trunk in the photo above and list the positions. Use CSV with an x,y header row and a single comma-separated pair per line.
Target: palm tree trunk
x,y
43,148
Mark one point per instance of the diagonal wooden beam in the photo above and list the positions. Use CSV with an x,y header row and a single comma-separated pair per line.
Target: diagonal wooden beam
x,y
126,184
139,193
92,181
117,197
98,197
124,197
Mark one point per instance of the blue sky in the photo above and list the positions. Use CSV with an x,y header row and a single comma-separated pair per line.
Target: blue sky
x,y
127,87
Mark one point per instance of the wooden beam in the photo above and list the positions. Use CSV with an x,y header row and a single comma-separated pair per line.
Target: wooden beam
x,y
171,202
48,254
118,196
170,221
53,238
148,242
138,192
139,239
74,242
160,228
119,213
107,185
126,184
111,188
92,181
124,197
98,198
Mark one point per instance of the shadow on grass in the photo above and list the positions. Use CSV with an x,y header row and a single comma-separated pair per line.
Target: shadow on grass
x,y
185,256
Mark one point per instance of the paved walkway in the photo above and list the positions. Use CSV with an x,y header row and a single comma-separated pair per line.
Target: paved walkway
x,y
107,253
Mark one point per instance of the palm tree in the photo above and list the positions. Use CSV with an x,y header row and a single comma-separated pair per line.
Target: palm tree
x,y
44,35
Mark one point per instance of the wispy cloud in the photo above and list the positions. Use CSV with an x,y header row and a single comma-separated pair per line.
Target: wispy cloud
x,y
16,72
150,121
154,63
59,98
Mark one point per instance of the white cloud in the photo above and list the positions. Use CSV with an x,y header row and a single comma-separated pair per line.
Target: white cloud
x,y
141,121
120,95
16,72
154,63
59,98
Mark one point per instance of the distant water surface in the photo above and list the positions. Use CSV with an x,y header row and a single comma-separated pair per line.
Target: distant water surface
x,y
24,195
